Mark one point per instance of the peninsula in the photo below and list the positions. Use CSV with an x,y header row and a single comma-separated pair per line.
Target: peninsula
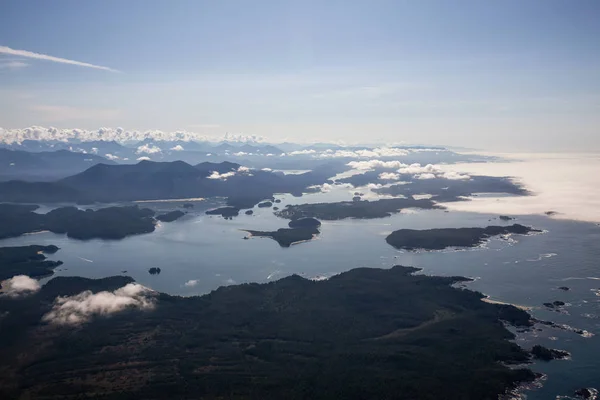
x,y
365,333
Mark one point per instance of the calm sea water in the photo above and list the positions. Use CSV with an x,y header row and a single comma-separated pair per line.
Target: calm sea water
x,y
199,253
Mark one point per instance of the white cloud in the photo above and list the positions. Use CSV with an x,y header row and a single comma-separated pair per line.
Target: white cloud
x,y
216,175
111,157
191,283
38,56
103,134
425,176
374,164
419,169
431,171
364,153
327,187
224,176
301,152
12,65
389,176
177,148
77,309
20,285
454,176
241,153
267,169
148,149
94,150
143,159
231,137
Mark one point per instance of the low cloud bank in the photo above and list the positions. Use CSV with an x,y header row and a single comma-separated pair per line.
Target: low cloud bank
x,y
177,148
567,183
80,308
375,164
117,134
364,153
191,283
20,285
417,170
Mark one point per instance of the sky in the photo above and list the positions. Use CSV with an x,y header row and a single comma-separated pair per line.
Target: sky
x,y
497,75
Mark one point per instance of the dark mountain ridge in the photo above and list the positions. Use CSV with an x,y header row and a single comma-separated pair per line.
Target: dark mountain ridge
x,y
148,180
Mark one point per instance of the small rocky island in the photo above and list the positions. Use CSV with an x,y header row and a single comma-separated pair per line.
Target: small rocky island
x,y
361,209
300,230
442,238
363,334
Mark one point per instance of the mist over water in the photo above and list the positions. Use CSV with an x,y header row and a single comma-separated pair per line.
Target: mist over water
x,y
568,184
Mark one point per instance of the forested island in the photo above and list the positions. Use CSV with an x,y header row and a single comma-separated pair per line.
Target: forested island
x,y
170,216
362,209
300,230
226,212
362,334
441,238
105,223
27,260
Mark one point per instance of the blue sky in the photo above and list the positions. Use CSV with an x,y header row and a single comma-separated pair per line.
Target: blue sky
x,y
505,75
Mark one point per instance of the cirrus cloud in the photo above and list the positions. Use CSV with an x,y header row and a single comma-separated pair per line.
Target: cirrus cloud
x,y
45,57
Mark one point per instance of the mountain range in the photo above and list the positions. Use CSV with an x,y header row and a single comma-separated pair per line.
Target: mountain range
x,y
149,180
45,165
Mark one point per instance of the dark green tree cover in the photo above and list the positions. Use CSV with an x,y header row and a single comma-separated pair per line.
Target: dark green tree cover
x,y
543,353
287,236
226,212
304,223
438,239
27,260
363,334
105,223
363,209
170,216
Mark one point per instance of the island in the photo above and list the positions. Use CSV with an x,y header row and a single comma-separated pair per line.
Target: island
x,y
170,216
505,218
586,393
363,209
545,354
265,204
226,212
287,236
442,238
363,334
154,271
104,223
27,260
